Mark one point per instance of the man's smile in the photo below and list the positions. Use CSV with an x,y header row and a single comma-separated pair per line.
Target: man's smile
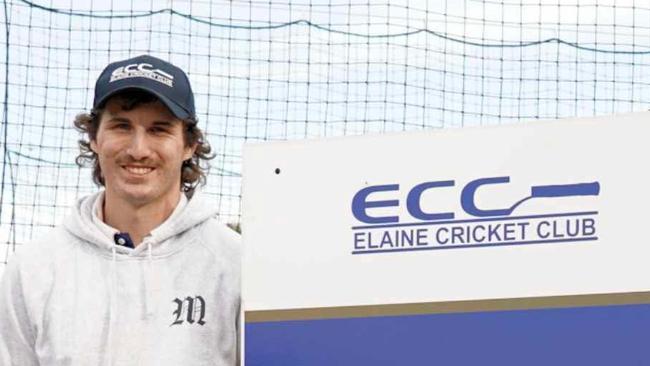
x,y
138,170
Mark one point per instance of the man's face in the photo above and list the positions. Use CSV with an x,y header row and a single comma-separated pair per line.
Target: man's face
x,y
141,152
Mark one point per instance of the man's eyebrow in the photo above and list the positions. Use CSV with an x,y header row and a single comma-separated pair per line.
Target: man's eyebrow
x,y
118,119
163,123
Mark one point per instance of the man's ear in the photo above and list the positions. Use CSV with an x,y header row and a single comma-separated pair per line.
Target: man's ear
x,y
93,146
189,151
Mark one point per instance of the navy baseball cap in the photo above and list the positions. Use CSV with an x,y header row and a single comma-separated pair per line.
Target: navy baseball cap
x,y
151,74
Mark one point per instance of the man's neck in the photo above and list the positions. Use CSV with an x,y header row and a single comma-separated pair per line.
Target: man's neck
x,y
137,220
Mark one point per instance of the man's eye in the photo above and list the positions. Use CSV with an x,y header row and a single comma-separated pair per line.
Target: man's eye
x,y
122,126
158,130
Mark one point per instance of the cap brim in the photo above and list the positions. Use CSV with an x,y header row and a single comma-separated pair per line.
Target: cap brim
x,y
173,107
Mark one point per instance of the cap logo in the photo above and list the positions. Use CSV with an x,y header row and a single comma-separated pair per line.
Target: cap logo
x,y
142,70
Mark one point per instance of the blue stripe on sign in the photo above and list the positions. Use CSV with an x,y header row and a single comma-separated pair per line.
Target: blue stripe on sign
x,y
604,335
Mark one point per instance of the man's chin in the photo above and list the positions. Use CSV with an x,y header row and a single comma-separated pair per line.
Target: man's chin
x,y
136,197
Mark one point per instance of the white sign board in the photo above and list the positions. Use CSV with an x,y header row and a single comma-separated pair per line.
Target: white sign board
x,y
538,209
525,240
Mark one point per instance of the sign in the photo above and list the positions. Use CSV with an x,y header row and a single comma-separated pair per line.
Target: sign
x,y
402,236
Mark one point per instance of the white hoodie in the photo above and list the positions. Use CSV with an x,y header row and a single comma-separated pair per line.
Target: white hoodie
x,y
76,298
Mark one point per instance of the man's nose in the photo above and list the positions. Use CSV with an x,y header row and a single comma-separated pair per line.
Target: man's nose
x,y
139,146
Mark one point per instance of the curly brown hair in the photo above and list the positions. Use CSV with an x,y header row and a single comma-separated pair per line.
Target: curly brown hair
x,y
193,171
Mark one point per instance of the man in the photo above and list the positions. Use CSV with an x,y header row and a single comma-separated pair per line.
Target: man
x,y
140,273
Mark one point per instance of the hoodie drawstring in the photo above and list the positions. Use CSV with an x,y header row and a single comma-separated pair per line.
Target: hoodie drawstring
x,y
148,283
149,297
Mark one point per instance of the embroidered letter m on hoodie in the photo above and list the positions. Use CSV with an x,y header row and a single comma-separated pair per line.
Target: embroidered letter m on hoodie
x,y
192,307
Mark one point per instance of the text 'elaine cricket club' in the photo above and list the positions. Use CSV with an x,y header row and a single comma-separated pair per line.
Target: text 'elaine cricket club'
x,y
480,228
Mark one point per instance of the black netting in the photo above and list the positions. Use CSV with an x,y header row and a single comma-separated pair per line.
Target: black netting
x,y
271,70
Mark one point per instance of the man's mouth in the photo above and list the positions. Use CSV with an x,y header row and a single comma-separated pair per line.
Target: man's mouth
x,y
138,170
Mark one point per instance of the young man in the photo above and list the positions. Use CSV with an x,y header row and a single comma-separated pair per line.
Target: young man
x,y
140,273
